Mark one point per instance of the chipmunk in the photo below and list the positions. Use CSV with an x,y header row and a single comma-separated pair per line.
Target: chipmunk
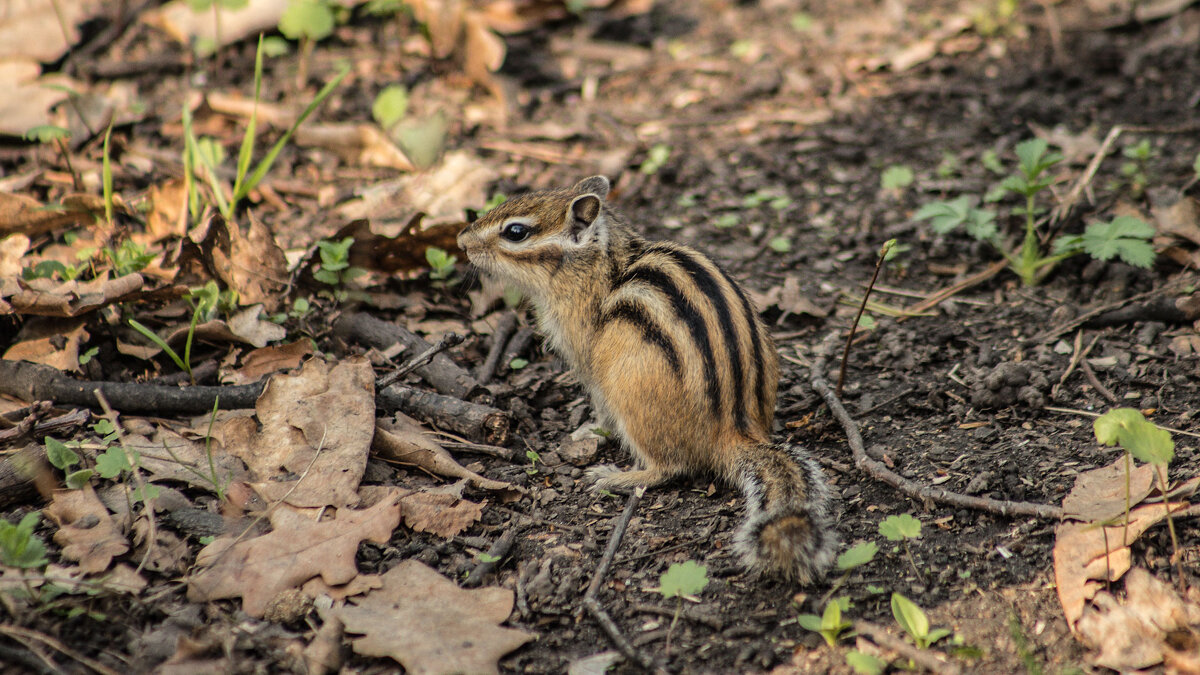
x,y
674,356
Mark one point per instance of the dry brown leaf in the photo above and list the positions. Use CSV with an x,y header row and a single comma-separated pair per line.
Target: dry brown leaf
x,y
178,20
19,213
430,625
86,531
1078,546
29,97
167,216
403,441
12,250
246,326
483,53
47,297
1133,634
404,253
251,264
53,342
1100,494
788,298
267,360
316,423
34,29
293,552
443,193
440,514
324,653
167,456
316,586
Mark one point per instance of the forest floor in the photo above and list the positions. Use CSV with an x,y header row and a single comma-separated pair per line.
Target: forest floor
x,y
789,145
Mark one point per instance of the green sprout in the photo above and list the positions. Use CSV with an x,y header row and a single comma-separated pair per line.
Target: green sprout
x,y
830,625
915,623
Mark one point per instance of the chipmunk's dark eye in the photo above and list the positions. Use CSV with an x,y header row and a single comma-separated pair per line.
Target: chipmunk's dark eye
x,y
516,231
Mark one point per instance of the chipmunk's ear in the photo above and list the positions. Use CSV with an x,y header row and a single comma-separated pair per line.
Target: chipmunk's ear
x,y
593,185
585,209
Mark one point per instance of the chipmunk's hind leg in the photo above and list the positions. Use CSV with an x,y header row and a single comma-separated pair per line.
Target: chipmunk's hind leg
x,y
609,477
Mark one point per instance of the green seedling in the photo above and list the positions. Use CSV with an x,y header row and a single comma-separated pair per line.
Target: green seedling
x,y
801,22
1144,442
1136,169
117,460
1032,666
831,626
335,269
681,580
86,357
128,257
856,556
896,177
385,7
422,140
727,220
308,22
534,458
902,528
390,106
441,263
19,546
107,178
486,557
863,663
50,134
219,486
780,244
687,201
518,363
245,180
656,157
62,457
205,302
915,623
48,269
1125,236
949,165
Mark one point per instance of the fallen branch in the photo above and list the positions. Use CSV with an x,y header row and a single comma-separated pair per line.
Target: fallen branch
x,y
473,420
448,340
881,473
445,375
922,657
1087,318
34,382
25,474
33,427
494,555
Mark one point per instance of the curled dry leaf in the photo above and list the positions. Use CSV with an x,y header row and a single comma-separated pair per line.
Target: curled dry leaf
x,y
316,424
316,587
86,531
444,193
403,441
430,625
167,456
167,216
1133,634
47,297
295,551
246,326
789,299
1099,494
267,360
53,342
1084,551
251,264
355,144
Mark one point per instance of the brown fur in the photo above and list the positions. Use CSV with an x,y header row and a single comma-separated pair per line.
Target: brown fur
x,y
678,364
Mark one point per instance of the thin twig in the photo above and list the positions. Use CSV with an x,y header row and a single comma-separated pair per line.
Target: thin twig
x,y
940,296
1064,207
494,555
448,340
911,488
922,657
19,633
1095,381
857,317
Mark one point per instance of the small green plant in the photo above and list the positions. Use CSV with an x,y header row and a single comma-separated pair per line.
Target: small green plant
x,y
801,22
441,263
128,257
486,557
896,177
19,546
1136,168
902,528
218,484
308,22
830,624
681,580
534,458
205,302
335,269
390,106
62,457
949,165
107,178
518,363
856,556
863,663
1032,666
117,460
780,244
656,157
86,357
1125,236
1144,442
245,180
914,622
727,220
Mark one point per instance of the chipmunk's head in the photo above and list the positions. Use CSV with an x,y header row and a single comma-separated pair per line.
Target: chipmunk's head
x,y
528,239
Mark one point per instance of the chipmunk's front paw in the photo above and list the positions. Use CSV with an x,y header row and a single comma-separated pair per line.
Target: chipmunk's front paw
x,y
604,477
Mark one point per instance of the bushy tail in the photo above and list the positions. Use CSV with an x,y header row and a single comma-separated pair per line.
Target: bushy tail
x,y
789,529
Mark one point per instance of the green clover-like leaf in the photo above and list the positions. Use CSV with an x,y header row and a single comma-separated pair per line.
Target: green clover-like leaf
x,y
688,578
903,526
857,555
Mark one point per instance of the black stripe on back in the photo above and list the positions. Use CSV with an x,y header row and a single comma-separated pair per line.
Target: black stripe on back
x,y
651,332
756,339
689,315
711,288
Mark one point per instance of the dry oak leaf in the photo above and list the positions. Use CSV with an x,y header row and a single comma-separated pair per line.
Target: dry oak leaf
x,y
430,625
1134,634
251,263
50,341
295,551
315,424
1100,494
267,360
441,514
86,531
1085,551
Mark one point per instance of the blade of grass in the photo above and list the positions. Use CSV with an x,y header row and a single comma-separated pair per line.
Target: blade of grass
x,y
265,165
162,344
247,149
107,178
189,165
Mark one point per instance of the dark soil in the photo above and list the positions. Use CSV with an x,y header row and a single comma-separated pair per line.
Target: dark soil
x,y
801,122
